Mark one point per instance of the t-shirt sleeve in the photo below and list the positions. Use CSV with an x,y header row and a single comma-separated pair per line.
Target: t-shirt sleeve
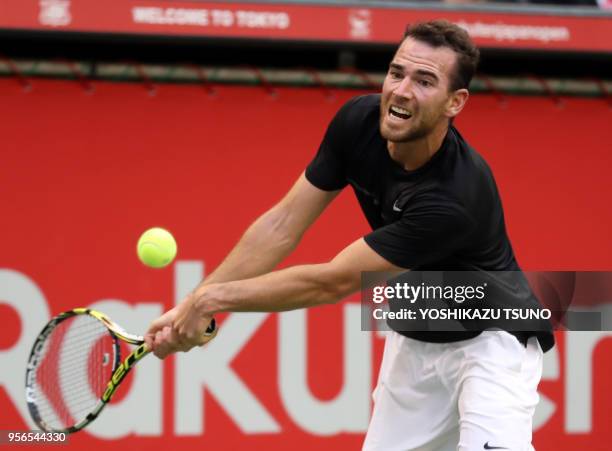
x,y
327,170
428,231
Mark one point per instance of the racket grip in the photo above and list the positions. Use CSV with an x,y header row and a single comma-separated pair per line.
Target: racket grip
x,y
211,329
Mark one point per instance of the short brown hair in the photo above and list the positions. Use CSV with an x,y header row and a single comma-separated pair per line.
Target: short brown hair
x,y
442,33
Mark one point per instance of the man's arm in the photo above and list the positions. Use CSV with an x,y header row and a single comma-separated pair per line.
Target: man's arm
x,y
292,288
265,244
274,234
295,287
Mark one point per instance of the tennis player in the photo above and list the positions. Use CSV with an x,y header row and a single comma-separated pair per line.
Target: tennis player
x,y
432,202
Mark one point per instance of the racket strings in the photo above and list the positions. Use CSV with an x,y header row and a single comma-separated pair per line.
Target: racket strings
x,y
73,370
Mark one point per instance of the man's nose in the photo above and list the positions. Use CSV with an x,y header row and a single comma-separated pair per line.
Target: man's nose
x,y
404,89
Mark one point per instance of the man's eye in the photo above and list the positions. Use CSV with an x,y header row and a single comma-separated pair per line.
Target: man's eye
x,y
395,75
425,83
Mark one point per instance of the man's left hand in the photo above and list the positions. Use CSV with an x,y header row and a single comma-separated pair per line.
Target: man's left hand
x,y
179,329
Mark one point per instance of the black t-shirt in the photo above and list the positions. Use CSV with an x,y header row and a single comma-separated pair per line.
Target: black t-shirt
x,y
445,215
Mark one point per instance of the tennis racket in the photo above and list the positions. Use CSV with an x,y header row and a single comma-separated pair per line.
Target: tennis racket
x,y
75,367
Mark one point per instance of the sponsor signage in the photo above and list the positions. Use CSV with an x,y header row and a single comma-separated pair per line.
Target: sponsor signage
x,y
85,173
293,22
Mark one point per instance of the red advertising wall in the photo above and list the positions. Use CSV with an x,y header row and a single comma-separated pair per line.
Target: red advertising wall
x,y
82,175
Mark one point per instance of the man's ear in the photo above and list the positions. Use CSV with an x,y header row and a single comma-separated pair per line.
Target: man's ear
x,y
456,102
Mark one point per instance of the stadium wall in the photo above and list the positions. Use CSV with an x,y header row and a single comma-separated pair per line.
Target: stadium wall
x,y
83,174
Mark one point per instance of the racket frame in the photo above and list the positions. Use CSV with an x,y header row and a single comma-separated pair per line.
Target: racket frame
x,y
120,368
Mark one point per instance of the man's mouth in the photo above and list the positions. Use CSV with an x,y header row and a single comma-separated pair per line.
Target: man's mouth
x,y
399,112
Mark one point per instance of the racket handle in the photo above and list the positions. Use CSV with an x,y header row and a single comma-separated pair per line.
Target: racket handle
x,y
212,328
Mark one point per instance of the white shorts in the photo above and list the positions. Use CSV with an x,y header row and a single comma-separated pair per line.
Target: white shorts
x,y
469,395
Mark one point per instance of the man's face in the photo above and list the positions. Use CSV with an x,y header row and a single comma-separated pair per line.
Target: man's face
x,y
415,94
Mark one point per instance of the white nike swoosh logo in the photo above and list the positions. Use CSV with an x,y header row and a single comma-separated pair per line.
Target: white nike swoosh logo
x,y
395,207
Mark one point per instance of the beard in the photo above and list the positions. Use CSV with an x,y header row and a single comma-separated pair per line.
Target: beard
x,y
399,135
414,133
422,123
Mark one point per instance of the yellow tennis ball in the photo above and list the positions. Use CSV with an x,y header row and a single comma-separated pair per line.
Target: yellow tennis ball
x,y
156,248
